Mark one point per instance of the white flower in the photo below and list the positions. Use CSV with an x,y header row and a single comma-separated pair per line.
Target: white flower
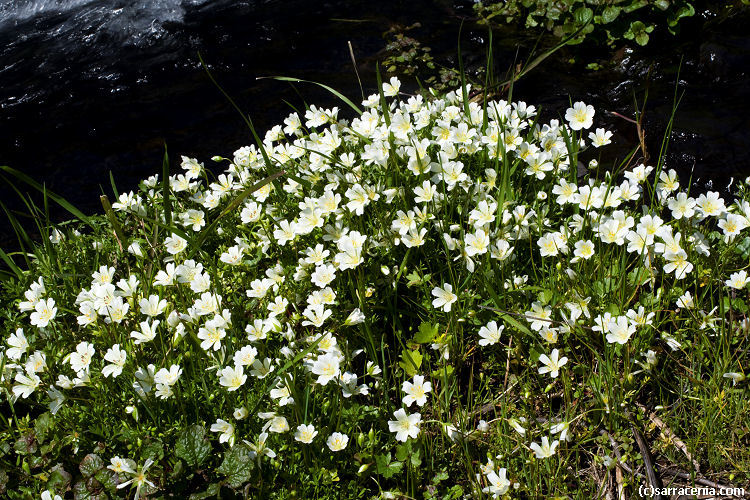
x,y
44,312
168,377
677,262
546,450
416,391
175,244
326,367
81,358
116,357
735,377
620,330
686,301
232,378
584,249
27,384
153,306
580,116
226,429
444,297
121,465
405,426
390,89
337,441
147,333
245,356
499,483
18,345
552,363
305,433
600,138
710,204
240,413
738,280
323,275
355,318
211,335
681,206
490,333
316,315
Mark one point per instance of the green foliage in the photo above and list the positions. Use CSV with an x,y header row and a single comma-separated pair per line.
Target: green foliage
x,y
193,446
237,465
611,21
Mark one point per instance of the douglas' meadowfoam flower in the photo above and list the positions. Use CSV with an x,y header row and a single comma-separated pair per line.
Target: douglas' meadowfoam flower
x,y
444,297
580,116
416,391
337,441
551,364
405,426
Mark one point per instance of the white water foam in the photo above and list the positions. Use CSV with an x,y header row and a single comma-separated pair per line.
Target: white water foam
x,y
126,20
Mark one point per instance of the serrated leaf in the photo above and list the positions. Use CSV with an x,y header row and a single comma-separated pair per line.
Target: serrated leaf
x,y
25,445
237,465
442,373
108,479
426,333
193,446
212,491
90,465
386,467
58,479
81,492
411,361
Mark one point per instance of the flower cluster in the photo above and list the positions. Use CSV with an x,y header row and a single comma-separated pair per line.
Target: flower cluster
x,y
281,328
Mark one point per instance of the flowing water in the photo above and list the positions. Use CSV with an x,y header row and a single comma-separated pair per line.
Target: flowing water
x,y
91,86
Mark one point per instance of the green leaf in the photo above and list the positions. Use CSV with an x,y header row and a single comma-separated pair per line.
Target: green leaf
x,y
58,480
743,247
237,465
662,4
443,373
26,444
411,361
386,467
212,491
426,333
193,446
642,38
610,14
108,479
686,10
42,426
405,453
583,15
507,318
90,465
638,276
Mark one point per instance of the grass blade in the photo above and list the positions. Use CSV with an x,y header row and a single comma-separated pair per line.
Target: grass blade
x,y
166,198
329,89
56,198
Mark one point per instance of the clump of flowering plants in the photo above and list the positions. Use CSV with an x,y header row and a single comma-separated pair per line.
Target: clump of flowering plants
x,y
432,299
